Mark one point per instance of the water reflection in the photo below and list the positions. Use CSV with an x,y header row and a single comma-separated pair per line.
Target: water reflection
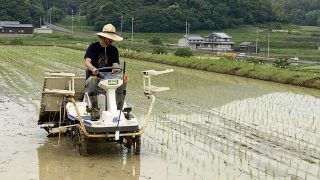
x,y
106,161
204,89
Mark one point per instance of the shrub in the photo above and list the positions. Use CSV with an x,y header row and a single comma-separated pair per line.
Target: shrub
x,y
255,61
16,41
183,52
281,62
159,50
155,41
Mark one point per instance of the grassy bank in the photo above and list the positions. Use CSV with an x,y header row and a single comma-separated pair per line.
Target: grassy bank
x,y
242,68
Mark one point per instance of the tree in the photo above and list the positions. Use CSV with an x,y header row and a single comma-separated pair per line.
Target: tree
x,y
312,17
23,11
57,14
151,19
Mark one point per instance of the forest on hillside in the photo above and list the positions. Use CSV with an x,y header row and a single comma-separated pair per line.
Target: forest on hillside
x,y
166,15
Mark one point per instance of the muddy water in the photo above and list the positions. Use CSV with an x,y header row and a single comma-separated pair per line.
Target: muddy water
x,y
209,126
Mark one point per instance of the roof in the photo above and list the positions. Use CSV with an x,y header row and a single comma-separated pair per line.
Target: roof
x,y
220,35
18,25
218,42
193,37
246,43
8,22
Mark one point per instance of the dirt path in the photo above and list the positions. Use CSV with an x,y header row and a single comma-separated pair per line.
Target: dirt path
x,y
62,29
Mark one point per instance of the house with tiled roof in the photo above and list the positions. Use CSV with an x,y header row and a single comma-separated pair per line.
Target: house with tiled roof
x,y
216,41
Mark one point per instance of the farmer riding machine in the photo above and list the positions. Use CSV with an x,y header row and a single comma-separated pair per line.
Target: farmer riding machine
x,y
68,107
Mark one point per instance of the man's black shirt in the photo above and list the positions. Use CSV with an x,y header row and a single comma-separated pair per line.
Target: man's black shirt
x,y
101,57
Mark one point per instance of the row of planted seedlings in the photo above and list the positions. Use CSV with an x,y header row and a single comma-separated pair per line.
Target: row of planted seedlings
x,y
241,137
182,147
255,132
24,68
293,139
12,75
189,150
281,121
204,143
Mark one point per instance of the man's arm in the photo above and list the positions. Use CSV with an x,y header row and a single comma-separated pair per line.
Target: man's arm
x,y
115,65
87,63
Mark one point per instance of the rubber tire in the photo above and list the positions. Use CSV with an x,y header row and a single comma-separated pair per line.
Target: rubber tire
x,y
129,142
137,144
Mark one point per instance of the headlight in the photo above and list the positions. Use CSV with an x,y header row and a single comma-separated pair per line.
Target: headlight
x,y
113,82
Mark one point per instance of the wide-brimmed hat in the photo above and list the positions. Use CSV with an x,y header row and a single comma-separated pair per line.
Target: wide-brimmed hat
x,y
109,31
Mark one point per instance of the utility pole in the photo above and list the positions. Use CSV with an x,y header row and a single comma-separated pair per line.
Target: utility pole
x,y
186,28
132,20
257,41
50,16
79,17
40,21
72,20
269,43
121,23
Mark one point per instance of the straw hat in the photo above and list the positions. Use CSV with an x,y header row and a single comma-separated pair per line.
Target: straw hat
x,y
109,31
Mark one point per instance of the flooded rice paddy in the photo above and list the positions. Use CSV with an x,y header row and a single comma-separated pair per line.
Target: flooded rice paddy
x,y
208,126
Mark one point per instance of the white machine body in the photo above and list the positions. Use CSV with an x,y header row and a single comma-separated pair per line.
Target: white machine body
x,y
110,119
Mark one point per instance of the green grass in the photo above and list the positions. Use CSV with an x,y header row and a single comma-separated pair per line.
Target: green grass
x,y
234,67
303,44
56,38
312,68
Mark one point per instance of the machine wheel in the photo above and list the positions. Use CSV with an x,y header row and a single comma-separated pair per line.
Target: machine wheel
x,y
73,134
69,133
81,142
128,141
137,144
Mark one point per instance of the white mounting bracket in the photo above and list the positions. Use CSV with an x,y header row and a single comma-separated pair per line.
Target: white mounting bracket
x,y
151,89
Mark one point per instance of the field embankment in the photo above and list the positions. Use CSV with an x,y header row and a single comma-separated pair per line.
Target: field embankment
x,y
231,66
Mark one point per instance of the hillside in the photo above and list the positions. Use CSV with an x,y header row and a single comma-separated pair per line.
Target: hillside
x,y
165,16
